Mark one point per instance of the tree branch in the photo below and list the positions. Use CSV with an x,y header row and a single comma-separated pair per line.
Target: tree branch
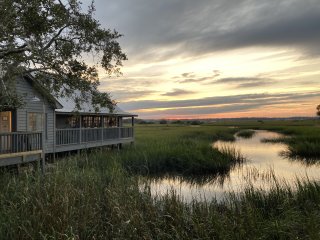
x,y
54,38
31,70
19,49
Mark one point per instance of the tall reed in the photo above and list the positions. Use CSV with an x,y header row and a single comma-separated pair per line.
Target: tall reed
x,y
95,198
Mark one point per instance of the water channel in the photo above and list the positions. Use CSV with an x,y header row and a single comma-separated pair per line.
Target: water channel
x,y
264,164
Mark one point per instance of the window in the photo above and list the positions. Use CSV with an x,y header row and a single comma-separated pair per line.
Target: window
x,y
87,121
73,122
105,121
5,122
96,122
35,122
112,122
91,121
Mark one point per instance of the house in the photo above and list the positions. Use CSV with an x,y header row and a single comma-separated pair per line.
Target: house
x,y
49,125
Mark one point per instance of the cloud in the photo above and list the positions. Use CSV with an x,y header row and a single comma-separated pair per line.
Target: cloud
x,y
115,84
125,95
260,99
300,30
177,92
188,75
235,82
207,110
162,29
245,82
193,78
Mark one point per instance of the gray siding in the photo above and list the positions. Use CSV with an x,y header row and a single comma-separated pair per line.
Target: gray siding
x,y
25,89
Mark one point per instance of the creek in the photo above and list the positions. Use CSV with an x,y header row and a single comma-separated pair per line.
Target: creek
x,y
265,166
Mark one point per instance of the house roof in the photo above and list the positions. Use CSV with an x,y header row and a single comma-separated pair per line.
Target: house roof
x,y
69,106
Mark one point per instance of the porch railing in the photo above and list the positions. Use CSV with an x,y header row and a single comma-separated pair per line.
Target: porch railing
x,y
16,142
86,135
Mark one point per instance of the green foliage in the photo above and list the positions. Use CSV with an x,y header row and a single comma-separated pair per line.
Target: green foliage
x,y
48,38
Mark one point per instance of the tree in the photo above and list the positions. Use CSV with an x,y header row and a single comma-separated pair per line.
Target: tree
x,y
318,110
50,40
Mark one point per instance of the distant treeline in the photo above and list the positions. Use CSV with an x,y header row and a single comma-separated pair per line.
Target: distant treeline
x,y
165,121
211,120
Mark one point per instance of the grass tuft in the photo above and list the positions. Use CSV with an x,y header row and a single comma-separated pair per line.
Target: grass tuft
x,y
246,133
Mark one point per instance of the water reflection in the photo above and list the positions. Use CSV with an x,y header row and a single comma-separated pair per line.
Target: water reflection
x,y
265,164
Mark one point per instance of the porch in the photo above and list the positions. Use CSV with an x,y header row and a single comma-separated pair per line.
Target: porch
x,y
80,138
20,147
74,132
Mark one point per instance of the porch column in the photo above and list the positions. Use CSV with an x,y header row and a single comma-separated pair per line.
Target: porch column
x,y
118,125
54,135
102,127
80,127
43,165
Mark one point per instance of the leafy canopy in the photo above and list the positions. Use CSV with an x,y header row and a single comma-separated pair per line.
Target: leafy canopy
x,y
318,110
49,39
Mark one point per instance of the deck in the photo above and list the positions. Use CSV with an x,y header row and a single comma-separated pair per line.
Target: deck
x,y
81,138
20,147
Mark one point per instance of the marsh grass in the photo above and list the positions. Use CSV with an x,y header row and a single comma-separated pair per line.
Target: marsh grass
x,y
303,148
252,174
274,140
246,133
179,156
96,196
180,150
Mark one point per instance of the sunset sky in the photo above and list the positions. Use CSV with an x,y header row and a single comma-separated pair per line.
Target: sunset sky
x,y
215,58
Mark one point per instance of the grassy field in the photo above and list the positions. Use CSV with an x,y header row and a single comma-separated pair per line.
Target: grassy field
x,y
98,195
